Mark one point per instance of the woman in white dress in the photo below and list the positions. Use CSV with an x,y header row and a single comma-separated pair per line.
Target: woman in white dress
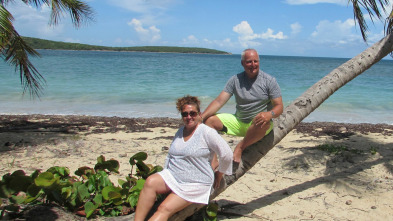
x,y
187,176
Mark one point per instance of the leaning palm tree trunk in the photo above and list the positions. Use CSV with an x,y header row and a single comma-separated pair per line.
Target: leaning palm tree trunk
x,y
300,109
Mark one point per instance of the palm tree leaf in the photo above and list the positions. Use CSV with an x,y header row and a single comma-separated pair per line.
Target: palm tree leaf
x,y
389,23
17,53
373,8
79,11
6,27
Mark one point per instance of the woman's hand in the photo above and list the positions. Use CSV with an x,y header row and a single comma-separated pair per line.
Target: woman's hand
x,y
217,179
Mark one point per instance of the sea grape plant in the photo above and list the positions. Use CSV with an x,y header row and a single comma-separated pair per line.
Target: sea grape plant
x,y
90,192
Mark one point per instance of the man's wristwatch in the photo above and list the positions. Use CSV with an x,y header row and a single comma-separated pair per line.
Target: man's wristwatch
x,y
273,114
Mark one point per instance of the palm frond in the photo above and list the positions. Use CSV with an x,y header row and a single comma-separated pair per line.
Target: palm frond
x,y
374,10
389,26
6,27
79,11
389,23
17,53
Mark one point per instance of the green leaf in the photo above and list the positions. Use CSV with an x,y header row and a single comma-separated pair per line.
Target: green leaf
x,y
91,187
98,200
18,173
106,192
113,165
100,159
35,174
139,185
121,182
84,171
89,209
115,197
138,157
62,171
143,169
155,170
45,179
20,183
101,212
5,192
83,193
66,192
110,165
33,193
19,199
133,199
103,179
33,190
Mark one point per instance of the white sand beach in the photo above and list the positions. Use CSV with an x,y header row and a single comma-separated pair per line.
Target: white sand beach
x,y
294,181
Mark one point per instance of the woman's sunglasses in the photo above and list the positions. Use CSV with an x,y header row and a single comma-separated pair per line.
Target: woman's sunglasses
x,y
191,113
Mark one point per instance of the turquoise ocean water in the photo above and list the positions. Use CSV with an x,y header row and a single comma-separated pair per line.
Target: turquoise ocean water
x,y
135,84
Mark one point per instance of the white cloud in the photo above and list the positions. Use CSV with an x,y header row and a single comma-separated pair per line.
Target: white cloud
x,y
151,11
224,44
336,32
190,40
373,38
143,6
296,28
151,34
243,28
248,38
72,40
303,2
32,21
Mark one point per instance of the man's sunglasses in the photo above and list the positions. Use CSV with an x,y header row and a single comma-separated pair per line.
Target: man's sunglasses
x,y
191,113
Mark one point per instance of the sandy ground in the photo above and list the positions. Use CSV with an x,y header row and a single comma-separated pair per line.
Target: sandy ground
x,y
296,180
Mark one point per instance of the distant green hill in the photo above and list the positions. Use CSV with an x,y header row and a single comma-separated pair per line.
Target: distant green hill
x,y
37,43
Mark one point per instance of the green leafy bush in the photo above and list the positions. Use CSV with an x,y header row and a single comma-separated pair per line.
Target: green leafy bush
x,y
89,193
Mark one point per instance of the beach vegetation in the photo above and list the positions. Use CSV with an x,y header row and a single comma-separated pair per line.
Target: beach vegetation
x,y
331,148
88,193
37,43
373,150
17,52
337,149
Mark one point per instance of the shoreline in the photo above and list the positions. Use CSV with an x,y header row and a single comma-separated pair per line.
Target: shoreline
x,y
20,121
296,180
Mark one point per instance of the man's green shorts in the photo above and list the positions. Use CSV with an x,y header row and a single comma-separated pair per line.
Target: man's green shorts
x,y
235,126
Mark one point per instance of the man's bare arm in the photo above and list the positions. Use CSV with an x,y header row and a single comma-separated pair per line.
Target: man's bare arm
x,y
216,104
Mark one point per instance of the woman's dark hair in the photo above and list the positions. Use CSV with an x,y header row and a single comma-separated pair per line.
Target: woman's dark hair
x,y
188,100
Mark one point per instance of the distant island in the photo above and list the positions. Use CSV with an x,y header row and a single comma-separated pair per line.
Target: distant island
x,y
37,43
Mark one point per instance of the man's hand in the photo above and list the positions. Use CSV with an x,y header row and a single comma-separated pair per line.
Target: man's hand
x,y
262,118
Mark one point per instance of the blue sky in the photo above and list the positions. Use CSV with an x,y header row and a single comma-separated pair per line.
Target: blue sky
x,y
320,28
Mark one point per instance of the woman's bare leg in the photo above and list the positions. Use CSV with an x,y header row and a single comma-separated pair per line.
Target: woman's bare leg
x,y
154,185
172,204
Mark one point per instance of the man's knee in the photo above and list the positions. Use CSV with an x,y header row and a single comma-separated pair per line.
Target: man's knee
x,y
214,122
259,130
